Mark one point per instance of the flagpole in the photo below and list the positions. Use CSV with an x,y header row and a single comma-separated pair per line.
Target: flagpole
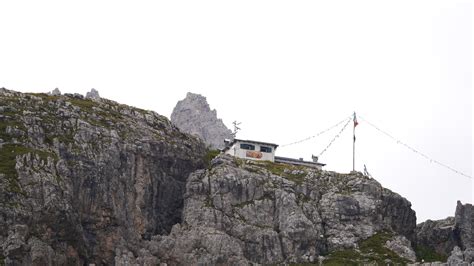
x,y
353,143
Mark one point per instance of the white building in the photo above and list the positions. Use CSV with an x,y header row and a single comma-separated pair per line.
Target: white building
x,y
250,149
263,151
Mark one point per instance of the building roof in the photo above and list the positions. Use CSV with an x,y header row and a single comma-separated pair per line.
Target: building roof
x,y
286,159
249,141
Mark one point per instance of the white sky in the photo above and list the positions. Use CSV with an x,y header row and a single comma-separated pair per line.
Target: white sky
x,y
285,69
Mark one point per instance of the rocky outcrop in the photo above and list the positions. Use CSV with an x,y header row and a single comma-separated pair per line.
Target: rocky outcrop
x,y
93,94
464,220
451,237
81,179
402,247
437,236
459,257
241,212
194,116
88,181
55,92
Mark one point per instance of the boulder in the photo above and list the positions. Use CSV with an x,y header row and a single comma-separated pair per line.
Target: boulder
x,y
93,94
402,247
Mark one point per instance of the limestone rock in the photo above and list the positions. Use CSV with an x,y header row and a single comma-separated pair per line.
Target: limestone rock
x,y
78,179
438,236
96,182
93,94
444,235
124,257
194,116
460,257
457,256
464,219
55,92
402,246
261,215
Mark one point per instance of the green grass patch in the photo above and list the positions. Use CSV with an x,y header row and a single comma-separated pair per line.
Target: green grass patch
x,y
44,96
376,243
375,247
85,104
253,169
209,203
344,257
9,153
141,111
10,122
210,154
371,250
428,254
284,170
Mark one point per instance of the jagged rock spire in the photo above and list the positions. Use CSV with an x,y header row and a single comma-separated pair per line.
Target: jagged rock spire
x,y
93,94
194,116
55,92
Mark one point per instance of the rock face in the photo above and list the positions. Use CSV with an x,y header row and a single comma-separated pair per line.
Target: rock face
x,y
464,219
193,115
438,236
87,181
93,94
459,257
450,237
55,92
80,179
241,212
402,247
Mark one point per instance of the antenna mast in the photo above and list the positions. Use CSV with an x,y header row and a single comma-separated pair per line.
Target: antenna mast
x,y
236,128
354,141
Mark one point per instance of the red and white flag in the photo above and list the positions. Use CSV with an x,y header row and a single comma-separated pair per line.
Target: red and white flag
x,y
355,120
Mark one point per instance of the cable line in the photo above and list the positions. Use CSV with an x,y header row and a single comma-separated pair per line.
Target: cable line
x,y
317,135
337,136
414,150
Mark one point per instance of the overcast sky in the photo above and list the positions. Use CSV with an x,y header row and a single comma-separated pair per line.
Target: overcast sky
x,y
285,69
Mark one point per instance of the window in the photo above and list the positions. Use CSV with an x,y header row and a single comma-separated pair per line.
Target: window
x,y
246,146
265,149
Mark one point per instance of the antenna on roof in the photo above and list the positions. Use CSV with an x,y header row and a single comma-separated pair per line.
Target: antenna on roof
x,y
236,128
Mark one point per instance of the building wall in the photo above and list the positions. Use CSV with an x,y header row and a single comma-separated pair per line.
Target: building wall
x,y
256,154
302,163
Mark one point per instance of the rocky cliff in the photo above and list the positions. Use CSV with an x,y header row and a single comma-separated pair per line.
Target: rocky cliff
x,y
240,212
88,180
453,237
80,177
194,116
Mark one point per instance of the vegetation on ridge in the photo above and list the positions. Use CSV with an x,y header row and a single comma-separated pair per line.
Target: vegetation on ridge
x,y
370,250
210,154
290,172
428,254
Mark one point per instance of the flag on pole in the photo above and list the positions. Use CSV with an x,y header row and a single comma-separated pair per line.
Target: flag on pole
x,y
354,142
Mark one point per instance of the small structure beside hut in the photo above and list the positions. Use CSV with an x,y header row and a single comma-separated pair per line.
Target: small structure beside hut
x,y
300,161
263,151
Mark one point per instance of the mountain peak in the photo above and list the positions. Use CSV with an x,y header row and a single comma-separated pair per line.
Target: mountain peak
x,y
193,115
